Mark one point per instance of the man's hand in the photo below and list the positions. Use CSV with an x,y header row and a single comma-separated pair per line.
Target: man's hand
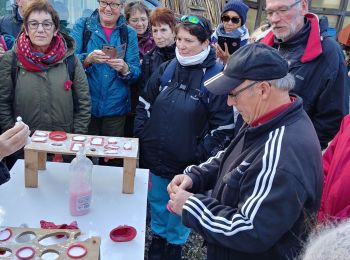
x,y
181,181
13,139
177,199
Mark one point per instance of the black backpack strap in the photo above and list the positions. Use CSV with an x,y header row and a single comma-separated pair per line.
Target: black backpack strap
x,y
168,73
70,63
124,34
14,69
86,37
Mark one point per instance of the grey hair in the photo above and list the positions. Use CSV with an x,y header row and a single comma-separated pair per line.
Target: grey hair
x,y
332,242
286,83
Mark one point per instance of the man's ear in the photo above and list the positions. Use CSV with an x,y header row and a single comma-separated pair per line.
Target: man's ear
x,y
55,33
264,89
304,6
205,44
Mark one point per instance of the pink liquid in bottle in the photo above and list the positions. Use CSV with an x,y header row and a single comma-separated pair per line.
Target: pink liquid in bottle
x,y
80,201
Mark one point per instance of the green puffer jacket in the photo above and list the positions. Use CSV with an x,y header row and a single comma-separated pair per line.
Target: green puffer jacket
x,y
41,99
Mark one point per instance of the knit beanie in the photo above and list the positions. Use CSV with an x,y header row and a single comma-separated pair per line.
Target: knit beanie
x,y
239,7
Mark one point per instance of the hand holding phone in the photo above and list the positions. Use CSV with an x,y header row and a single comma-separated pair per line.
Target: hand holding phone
x,y
110,51
233,44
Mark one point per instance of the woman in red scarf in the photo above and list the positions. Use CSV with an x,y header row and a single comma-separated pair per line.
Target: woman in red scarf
x,y
43,93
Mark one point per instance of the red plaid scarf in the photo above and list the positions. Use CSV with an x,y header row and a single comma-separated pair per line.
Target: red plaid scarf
x,y
33,60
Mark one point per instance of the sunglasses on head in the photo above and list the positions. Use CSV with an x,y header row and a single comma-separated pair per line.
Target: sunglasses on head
x,y
192,19
226,18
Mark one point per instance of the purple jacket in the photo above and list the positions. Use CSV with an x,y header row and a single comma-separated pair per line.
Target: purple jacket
x,y
145,42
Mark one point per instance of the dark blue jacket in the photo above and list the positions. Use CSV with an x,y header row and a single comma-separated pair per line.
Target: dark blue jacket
x,y
320,73
176,126
11,24
152,60
4,173
266,186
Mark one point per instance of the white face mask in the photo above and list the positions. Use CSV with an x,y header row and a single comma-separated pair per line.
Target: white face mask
x,y
192,60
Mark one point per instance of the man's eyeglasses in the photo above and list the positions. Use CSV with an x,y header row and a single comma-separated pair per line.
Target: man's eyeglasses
x,y
282,10
34,25
192,19
104,4
226,19
234,96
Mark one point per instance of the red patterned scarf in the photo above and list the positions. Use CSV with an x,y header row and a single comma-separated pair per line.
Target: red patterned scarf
x,y
33,60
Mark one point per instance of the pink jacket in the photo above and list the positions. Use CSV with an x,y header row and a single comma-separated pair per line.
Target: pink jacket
x,y
335,202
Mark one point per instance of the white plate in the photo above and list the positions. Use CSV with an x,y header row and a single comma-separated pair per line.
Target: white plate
x,y
79,138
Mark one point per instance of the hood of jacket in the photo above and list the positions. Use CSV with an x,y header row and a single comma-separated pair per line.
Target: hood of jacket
x,y
70,45
15,13
241,32
313,46
94,24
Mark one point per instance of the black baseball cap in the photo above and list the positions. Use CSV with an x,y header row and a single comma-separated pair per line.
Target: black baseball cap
x,y
255,61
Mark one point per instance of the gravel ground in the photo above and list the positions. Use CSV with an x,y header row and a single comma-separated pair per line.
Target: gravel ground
x,y
193,250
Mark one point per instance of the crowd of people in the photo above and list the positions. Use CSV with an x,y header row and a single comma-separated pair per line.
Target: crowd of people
x,y
231,127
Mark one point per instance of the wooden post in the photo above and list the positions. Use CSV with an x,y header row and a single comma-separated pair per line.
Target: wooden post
x,y
42,157
31,168
129,175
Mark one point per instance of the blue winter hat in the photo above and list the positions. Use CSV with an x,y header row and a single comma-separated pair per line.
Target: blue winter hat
x,y
239,7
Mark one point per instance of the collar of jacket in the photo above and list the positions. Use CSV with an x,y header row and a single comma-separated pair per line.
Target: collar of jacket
x,y
241,32
93,23
272,114
313,47
168,52
15,12
284,118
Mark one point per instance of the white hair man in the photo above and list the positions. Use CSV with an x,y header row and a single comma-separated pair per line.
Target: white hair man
x,y
316,61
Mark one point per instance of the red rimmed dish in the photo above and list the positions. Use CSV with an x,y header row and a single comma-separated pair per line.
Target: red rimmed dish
x,y
123,233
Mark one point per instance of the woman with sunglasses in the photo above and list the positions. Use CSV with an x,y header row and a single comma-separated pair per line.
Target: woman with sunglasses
x,y
233,18
179,123
35,80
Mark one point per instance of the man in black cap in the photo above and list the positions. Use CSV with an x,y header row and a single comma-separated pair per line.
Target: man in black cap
x,y
267,184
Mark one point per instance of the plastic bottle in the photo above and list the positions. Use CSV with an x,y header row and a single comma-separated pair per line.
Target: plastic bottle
x,y
80,184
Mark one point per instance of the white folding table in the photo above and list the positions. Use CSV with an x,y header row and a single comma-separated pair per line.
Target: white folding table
x,y
110,207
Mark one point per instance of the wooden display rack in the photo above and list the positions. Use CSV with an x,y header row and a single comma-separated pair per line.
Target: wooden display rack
x,y
11,245
35,155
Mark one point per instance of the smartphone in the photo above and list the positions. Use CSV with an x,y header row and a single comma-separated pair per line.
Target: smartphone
x,y
121,49
233,44
110,51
